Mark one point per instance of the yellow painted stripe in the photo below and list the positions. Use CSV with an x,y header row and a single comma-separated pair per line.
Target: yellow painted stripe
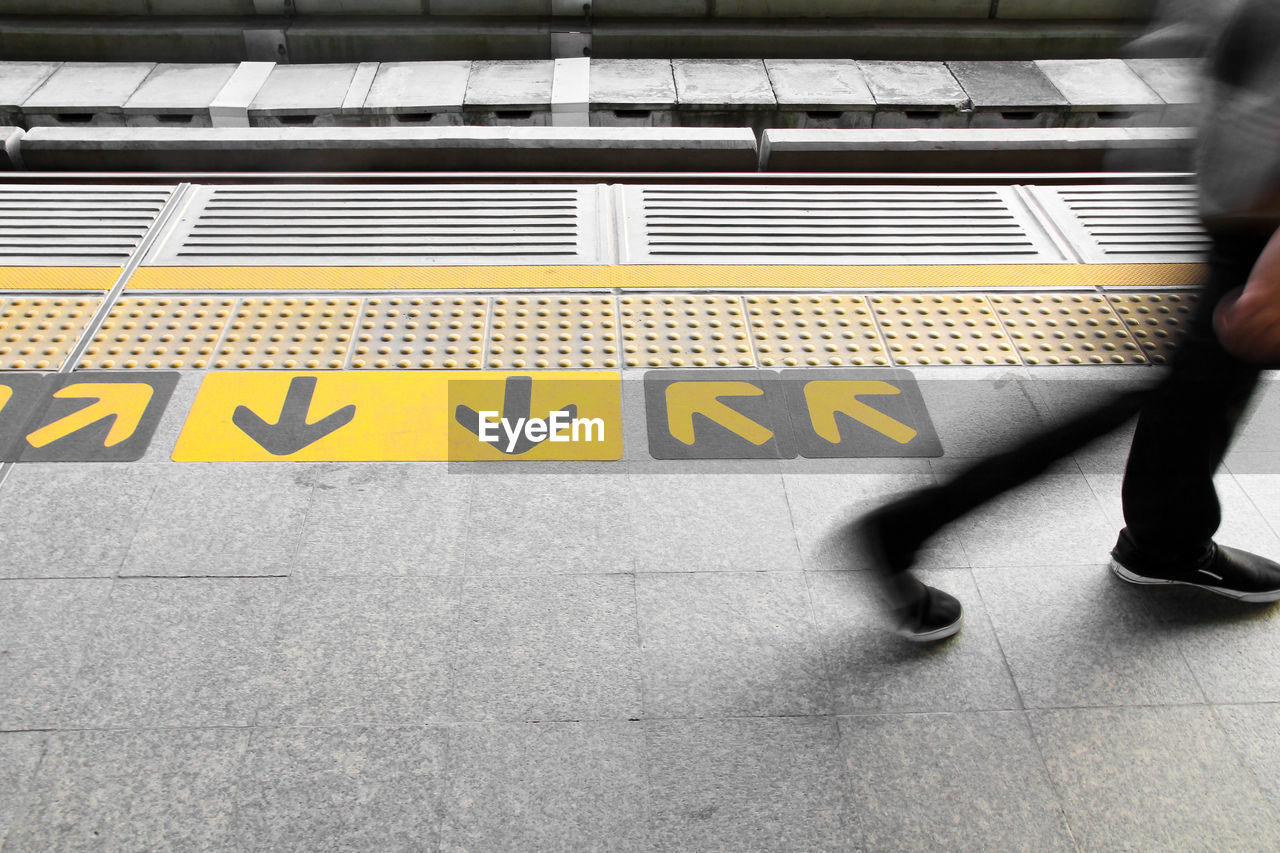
x,y
651,276
58,278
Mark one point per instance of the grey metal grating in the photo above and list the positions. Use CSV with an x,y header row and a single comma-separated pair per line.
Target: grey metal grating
x,y
75,225
832,225
376,225
1128,224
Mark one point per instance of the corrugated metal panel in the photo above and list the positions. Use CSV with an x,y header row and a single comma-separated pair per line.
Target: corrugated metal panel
x,y
1128,224
831,225
75,225
378,225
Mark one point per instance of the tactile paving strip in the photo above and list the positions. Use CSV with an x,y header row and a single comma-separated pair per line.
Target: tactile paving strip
x,y
38,332
815,330
421,332
549,331
943,329
1066,328
159,332
685,331
1156,320
293,333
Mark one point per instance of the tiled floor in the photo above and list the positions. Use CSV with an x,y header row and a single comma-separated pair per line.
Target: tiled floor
x,y
645,656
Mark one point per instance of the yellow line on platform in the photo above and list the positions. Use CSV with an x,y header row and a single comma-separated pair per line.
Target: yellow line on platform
x,y
655,276
58,278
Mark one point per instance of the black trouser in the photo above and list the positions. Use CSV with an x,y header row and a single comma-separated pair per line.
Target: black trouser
x,y
1185,425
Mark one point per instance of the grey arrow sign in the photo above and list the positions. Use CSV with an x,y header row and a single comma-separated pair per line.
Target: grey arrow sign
x,y
517,401
291,432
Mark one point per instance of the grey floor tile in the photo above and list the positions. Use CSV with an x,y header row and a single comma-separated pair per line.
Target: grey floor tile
x,y
44,626
1266,462
19,757
350,788
749,785
226,519
176,652
546,786
875,670
1154,779
366,651
1232,647
540,524
824,509
1257,432
175,417
383,519
1254,730
553,648
1061,394
1052,520
717,522
1263,493
70,520
1077,636
974,417
133,790
971,781
729,644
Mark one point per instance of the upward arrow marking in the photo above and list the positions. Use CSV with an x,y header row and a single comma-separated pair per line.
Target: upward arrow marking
x,y
685,399
125,402
826,397
291,432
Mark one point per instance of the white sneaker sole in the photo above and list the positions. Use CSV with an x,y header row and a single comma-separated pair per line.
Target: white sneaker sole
x,y
934,635
1250,597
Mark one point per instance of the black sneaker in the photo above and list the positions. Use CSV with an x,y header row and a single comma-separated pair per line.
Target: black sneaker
x,y
1224,571
921,613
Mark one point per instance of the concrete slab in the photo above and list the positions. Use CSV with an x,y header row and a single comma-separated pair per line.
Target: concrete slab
x,y
131,790
1178,82
546,649
821,92
1010,94
585,781
722,84
501,85
915,94
310,787
302,94
92,93
11,148
176,94
996,787
43,631
230,107
632,84
418,93
17,81
1103,92
849,9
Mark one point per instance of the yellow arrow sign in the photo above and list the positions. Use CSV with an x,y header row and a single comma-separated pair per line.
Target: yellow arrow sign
x,y
124,401
826,397
5,393
685,399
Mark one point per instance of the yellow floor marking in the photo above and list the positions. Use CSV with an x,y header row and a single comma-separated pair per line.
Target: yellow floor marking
x,y
58,278
826,397
659,276
685,399
401,416
6,393
127,402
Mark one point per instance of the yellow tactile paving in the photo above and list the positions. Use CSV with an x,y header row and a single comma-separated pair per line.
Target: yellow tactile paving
x,y
290,332
38,332
58,278
943,329
815,330
1156,320
661,277
1066,328
553,331
685,330
421,332
160,332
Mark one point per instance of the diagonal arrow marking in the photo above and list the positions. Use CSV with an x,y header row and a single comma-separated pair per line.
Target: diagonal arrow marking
x,y
291,432
826,397
125,402
517,403
5,394
685,399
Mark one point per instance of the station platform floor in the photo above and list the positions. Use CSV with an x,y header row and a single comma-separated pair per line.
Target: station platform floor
x,y
640,654
264,587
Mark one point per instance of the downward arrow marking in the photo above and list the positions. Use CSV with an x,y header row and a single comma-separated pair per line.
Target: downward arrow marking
x,y
291,432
